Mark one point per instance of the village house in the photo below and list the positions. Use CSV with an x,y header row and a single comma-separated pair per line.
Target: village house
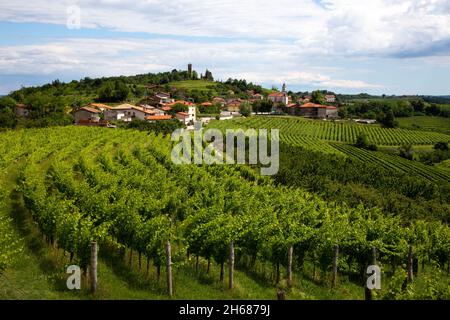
x,y
100,106
304,99
291,108
279,98
182,102
187,117
206,104
127,112
159,99
234,106
312,110
21,111
152,111
219,100
330,98
86,115
155,118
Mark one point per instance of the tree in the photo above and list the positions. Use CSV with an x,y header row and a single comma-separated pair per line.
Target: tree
x,y
121,91
318,97
343,113
387,119
441,146
361,141
246,109
106,92
406,151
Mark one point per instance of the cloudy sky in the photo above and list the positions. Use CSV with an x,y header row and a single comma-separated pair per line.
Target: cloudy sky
x,y
349,46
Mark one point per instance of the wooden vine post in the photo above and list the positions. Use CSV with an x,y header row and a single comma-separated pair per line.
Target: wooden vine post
x,y
93,267
169,269
410,264
448,262
231,267
335,265
289,265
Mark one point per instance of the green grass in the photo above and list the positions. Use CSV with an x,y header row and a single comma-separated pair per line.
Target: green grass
x,y
193,85
438,124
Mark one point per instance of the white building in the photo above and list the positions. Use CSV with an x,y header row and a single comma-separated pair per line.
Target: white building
x,y
188,117
127,112
330,98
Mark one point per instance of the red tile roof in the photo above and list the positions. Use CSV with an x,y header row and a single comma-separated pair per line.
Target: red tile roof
x,y
313,105
91,110
100,105
186,103
158,118
277,94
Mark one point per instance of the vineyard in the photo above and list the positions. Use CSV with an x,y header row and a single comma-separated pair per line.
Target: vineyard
x,y
438,124
394,163
120,189
337,131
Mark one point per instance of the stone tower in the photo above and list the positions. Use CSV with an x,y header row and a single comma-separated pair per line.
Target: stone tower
x,y
190,69
284,87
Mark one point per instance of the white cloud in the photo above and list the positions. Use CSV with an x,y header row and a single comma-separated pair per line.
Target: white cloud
x,y
261,63
332,27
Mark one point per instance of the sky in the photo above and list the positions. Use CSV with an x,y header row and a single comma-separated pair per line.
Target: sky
x,y
345,46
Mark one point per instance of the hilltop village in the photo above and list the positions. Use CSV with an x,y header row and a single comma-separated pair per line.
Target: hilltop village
x,y
160,103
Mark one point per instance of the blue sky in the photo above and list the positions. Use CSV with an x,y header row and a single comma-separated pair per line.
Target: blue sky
x,y
374,46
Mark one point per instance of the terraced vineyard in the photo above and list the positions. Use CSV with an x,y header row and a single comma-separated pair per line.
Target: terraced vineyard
x,y
438,124
309,143
394,163
338,131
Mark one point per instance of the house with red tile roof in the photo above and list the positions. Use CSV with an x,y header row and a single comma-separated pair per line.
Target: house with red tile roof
x,y
128,112
187,117
312,110
21,110
100,106
87,114
330,98
234,105
279,98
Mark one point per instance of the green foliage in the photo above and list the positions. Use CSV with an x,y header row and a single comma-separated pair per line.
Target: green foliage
x,y
9,247
443,146
406,151
113,92
347,132
163,127
352,181
363,143
318,97
121,186
246,109
387,119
